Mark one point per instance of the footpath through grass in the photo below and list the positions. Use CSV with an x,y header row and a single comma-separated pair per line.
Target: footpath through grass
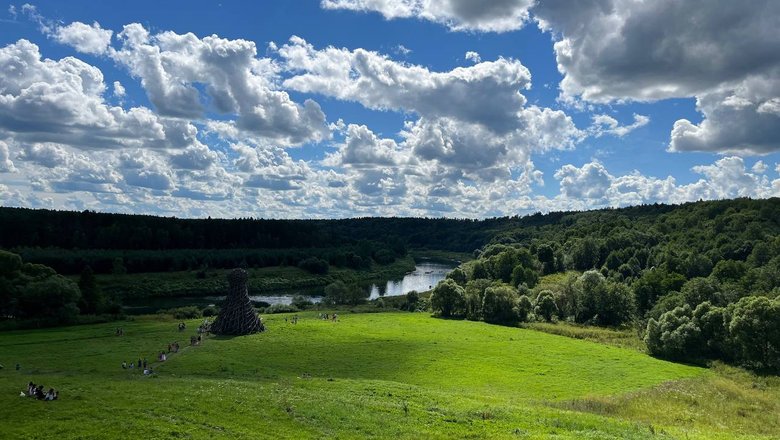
x,y
385,375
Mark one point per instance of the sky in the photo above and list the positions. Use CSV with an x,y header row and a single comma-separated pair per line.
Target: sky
x,y
353,108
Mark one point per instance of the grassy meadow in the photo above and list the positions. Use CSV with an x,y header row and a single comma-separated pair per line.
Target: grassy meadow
x,y
377,375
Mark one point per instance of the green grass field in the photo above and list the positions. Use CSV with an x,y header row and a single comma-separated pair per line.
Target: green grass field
x,y
380,375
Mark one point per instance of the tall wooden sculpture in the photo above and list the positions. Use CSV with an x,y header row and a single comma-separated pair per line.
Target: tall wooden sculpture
x,y
237,316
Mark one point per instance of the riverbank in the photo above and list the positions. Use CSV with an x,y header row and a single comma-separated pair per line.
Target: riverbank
x,y
261,281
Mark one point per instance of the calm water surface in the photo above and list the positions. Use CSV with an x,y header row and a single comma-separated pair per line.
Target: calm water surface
x,y
425,277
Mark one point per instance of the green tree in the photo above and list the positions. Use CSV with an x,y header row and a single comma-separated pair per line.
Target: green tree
x,y
338,292
54,298
92,299
675,335
458,275
447,298
755,330
523,308
9,263
545,306
498,305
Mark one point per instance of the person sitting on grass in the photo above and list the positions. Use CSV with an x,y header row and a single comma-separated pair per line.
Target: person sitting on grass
x,y
51,395
30,389
39,394
124,365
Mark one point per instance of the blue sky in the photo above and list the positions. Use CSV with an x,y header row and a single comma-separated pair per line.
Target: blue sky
x,y
341,108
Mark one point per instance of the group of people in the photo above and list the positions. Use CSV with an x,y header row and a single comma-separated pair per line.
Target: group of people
x,y
142,364
38,393
205,327
119,331
325,316
293,320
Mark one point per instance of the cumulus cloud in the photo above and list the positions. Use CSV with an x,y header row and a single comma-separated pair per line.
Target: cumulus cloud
x,y
91,39
473,56
6,165
592,185
458,15
236,82
62,102
732,121
487,92
363,148
759,167
119,90
605,124
723,53
145,169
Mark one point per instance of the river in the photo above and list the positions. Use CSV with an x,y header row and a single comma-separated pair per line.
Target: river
x,y
424,277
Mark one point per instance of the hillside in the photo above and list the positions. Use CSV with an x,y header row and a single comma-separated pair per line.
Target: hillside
x,y
367,376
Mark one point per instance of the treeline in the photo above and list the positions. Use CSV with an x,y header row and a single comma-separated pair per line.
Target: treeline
x,y
24,228
701,281
117,261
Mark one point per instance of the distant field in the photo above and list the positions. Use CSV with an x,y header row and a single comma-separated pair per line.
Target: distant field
x,y
382,375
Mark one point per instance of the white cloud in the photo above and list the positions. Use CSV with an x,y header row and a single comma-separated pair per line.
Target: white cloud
x,y
487,93
119,90
145,169
84,38
759,167
236,82
458,15
62,102
592,186
402,50
6,166
605,124
589,182
473,56
723,53
362,148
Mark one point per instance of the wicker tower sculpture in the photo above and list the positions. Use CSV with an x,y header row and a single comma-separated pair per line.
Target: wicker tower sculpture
x,y
237,316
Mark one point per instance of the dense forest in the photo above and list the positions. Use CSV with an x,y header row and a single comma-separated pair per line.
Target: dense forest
x,y
699,281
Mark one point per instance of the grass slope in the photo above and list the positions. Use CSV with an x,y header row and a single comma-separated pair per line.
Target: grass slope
x,y
369,376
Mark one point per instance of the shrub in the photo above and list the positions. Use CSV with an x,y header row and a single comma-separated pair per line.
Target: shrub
x,y
188,312
210,311
281,308
301,302
314,265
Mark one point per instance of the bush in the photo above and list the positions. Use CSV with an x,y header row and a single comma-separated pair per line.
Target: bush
x,y
314,265
301,302
188,312
281,308
210,311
